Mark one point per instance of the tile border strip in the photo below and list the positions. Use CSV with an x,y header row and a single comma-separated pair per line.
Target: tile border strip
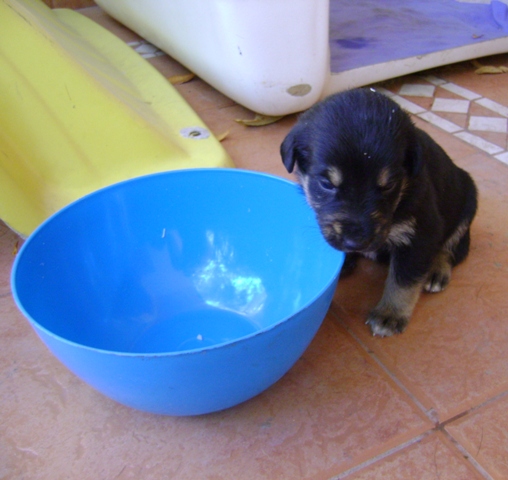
x,y
457,131
147,50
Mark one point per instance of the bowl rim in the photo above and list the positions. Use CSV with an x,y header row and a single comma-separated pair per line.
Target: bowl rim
x,y
213,170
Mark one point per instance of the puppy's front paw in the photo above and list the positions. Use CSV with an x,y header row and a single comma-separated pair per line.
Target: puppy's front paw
x,y
386,324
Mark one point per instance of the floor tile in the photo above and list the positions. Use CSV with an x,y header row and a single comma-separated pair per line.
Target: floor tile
x,y
428,459
479,110
488,124
484,435
417,90
494,106
450,105
440,122
489,86
502,157
456,110
459,119
334,409
460,91
479,142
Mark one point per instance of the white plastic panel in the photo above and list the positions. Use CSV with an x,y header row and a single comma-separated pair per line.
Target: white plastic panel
x,y
262,54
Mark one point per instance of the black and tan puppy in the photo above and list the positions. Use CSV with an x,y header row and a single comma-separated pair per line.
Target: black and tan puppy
x,y
382,188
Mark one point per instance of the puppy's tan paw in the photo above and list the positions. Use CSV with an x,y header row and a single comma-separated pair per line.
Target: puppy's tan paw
x,y
437,282
386,325
439,277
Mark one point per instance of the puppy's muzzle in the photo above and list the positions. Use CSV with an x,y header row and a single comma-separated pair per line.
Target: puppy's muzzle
x,y
353,236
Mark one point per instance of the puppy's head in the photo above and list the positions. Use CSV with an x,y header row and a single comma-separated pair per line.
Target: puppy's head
x,y
354,153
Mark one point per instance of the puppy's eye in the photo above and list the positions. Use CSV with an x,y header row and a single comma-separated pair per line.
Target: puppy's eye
x,y
326,184
389,187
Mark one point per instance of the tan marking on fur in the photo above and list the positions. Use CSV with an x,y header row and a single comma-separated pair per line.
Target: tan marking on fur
x,y
334,217
397,298
327,231
456,236
337,228
402,192
402,233
440,273
384,177
397,302
304,182
335,176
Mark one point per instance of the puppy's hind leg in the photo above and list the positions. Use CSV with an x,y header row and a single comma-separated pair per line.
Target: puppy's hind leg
x,y
454,251
392,313
440,273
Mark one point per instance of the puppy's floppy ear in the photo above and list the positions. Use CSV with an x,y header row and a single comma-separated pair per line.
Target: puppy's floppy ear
x,y
293,150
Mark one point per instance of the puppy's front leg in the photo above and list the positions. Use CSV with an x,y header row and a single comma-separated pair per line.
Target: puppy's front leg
x,y
392,313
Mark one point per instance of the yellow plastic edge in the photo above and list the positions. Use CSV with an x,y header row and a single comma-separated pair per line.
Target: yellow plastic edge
x,y
80,110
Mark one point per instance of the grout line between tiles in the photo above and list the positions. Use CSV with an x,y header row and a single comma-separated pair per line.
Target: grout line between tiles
x,y
487,402
381,456
429,413
467,456
479,142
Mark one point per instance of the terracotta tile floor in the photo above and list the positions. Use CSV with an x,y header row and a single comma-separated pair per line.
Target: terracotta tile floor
x,y
429,404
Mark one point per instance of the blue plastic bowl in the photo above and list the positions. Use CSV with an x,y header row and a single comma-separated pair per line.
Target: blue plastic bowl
x,y
179,293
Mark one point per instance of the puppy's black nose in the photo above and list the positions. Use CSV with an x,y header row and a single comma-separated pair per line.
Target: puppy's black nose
x,y
357,237
354,245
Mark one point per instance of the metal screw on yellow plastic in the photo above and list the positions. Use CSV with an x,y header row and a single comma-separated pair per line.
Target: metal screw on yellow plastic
x,y
195,133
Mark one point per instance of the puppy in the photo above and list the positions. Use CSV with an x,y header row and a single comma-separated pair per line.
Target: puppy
x,y
382,188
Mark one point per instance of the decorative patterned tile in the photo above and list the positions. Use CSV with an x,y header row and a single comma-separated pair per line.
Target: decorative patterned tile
x,y
434,80
440,122
462,116
408,105
488,124
460,91
479,142
450,105
494,106
417,90
502,157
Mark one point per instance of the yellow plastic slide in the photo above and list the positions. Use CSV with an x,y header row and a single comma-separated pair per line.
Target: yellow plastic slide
x,y
80,110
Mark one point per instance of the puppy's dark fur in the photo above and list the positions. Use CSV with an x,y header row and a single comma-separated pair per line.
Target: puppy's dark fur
x,y
382,188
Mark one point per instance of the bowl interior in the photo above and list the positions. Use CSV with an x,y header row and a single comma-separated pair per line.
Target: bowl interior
x,y
176,261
